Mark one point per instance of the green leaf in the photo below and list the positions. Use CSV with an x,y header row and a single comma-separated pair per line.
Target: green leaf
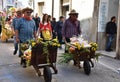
x,y
65,58
97,56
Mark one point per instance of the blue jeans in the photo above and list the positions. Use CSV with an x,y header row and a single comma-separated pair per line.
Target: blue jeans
x,y
15,44
110,39
60,38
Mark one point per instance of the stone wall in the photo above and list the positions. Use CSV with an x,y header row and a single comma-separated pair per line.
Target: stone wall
x,y
99,32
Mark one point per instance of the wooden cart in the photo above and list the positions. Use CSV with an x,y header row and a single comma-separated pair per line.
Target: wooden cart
x,y
39,59
6,34
85,56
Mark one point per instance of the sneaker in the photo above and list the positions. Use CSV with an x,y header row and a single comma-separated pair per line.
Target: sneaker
x,y
111,50
108,50
19,56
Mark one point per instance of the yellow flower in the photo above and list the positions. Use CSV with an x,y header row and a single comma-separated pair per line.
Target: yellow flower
x,y
55,40
82,45
58,45
54,44
78,47
33,43
93,48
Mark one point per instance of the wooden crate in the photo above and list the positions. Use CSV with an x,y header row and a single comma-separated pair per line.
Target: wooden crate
x,y
38,56
82,56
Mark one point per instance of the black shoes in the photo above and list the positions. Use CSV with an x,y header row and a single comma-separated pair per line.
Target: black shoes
x,y
108,50
19,56
15,51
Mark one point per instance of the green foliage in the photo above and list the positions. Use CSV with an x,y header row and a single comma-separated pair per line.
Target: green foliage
x,y
83,50
97,56
65,58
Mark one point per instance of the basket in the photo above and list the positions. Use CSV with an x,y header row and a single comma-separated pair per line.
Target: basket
x,y
39,57
82,56
52,53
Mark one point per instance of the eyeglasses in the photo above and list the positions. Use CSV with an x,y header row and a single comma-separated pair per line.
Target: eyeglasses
x,y
28,12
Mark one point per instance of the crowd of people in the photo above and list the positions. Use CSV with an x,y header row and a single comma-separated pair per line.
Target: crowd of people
x,y
25,27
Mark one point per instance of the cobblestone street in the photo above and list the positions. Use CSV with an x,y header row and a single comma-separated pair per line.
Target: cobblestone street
x,y
12,71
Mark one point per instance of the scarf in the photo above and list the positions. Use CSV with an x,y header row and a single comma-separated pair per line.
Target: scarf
x,y
45,27
27,18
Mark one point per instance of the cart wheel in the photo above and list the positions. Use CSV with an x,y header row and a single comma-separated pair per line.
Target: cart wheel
x,y
87,68
47,74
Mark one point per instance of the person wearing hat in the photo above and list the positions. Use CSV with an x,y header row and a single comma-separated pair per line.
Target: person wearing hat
x,y
71,27
14,22
25,29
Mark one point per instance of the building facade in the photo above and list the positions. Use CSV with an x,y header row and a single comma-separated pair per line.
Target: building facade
x,y
57,8
93,15
6,4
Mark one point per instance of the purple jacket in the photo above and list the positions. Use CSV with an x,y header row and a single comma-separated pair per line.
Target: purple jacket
x,y
71,28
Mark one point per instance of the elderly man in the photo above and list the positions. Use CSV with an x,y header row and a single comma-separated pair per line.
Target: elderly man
x,y
71,26
26,29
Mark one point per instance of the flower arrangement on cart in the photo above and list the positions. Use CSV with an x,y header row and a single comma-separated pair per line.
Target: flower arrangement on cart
x,y
27,48
7,32
41,54
80,50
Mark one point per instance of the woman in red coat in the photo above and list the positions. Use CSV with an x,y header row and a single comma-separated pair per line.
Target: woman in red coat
x,y
45,28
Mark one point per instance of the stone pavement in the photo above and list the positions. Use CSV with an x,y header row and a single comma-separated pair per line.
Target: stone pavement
x,y
111,54
12,71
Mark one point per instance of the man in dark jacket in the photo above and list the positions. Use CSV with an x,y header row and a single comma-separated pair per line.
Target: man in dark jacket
x,y
37,21
58,29
111,30
53,24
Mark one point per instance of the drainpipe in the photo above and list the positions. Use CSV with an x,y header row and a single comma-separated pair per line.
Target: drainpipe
x,y
2,4
52,8
118,36
34,6
70,5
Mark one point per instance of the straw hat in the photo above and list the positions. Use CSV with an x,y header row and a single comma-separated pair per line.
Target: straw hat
x,y
19,11
27,9
73,12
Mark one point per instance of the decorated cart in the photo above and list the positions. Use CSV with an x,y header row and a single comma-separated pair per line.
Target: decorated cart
x,y
41,54
7,33
80,50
